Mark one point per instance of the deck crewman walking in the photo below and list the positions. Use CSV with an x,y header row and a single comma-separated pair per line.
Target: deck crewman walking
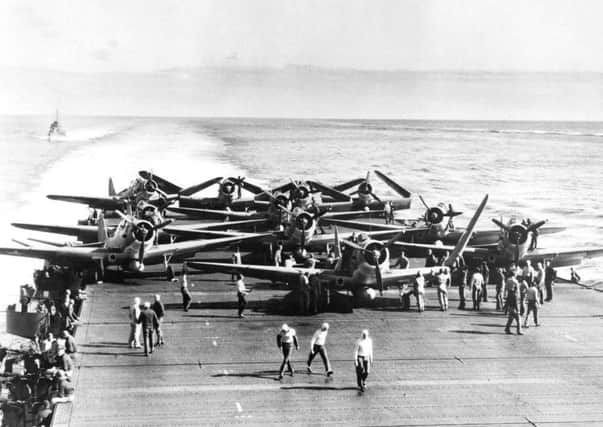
x,y
363,358
242,292
285,340
317,346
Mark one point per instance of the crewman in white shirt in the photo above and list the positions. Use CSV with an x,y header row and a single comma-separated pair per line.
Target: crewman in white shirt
x,y
285,340
363,358
317,346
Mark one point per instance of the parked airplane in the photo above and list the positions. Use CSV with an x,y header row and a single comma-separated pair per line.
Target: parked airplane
x,y
362,266
432,228
139,190
513,246
130,246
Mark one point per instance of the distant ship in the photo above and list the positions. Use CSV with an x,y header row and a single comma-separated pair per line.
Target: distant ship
x,y
55,128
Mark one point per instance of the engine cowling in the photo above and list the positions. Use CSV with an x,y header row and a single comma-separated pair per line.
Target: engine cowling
x,y
434,215
228,187
143,232
518,234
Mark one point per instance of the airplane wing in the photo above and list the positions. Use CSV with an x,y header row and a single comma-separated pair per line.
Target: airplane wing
x,y
269,272
105,203
353,214
202,186
191,247
329,191
84,233
448,248
564,257
203,213
349,184
363,225
224,225
252,188
393,185
58,255
397,275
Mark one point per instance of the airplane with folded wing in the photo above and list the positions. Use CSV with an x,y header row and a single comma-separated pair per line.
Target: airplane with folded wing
x,y
129,246
148,188
431,228
513,246
362,268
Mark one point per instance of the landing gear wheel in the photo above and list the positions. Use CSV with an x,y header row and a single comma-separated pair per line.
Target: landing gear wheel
x,y
169,273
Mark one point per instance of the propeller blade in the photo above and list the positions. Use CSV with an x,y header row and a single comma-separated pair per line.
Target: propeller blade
x,y
500,224
535,226
368,177
374,196
124,216
423,201
379,278
393,185
451,212
141,252
284,209
353,245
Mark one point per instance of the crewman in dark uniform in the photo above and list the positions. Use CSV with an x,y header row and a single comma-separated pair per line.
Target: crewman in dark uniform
x,y
574,276
512,304
186,294
159,310
148,320
499,281
402,261
459,278
430,259
550,274
485,270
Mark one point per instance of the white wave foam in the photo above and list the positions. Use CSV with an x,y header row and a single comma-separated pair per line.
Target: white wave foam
x,y
176,153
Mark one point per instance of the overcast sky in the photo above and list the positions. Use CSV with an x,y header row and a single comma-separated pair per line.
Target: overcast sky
x,y
148,35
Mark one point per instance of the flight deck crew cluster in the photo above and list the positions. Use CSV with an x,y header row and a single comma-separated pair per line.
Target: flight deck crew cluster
x,y
287,340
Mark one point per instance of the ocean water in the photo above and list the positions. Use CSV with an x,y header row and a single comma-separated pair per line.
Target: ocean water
x,y
543,170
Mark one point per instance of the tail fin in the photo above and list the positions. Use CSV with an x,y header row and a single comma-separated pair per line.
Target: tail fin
x,y
102,231
112,191
462,243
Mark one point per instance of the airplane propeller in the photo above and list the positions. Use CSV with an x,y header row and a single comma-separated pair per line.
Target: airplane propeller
x,y
435,214
518,233
300,191
239,182
374,256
